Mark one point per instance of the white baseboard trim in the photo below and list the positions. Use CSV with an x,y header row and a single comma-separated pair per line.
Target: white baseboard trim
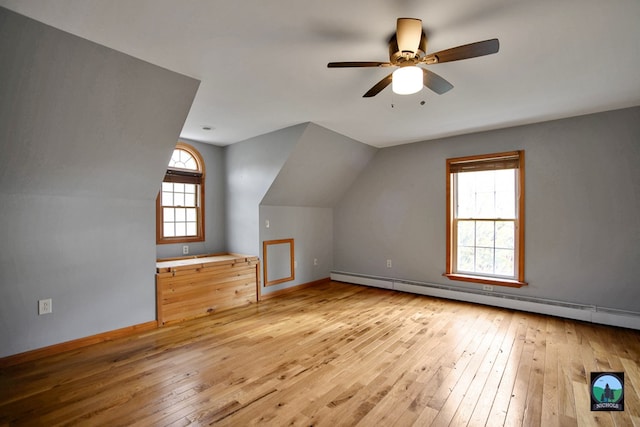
x,y
362,280
586,313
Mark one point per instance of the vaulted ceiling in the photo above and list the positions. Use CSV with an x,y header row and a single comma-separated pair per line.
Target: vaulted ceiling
x,y
263,64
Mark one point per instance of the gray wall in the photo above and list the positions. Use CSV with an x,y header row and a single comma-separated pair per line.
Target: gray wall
x,y
214,206
312,231
318,171
582,203
251,167
85,135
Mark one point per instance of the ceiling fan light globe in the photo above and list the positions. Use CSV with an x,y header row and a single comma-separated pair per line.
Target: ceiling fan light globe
x,y
407,80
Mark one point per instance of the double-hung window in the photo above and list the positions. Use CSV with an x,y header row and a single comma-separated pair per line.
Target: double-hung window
x,y
180,203
485,219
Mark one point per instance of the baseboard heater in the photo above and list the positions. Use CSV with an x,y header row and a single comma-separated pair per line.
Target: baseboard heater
x,y
586,313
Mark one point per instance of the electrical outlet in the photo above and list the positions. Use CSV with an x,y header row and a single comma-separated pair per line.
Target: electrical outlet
x,y
44,306
389,263
185,250
267,224
487,287
315,261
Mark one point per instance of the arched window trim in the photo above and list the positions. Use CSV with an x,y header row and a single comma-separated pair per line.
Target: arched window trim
x,y
187,176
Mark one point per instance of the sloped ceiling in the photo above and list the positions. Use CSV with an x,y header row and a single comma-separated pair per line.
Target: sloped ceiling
x,y
319,170
263,64
80,119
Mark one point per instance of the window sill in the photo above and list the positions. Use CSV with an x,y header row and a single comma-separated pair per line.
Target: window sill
x,y
486,280
174,240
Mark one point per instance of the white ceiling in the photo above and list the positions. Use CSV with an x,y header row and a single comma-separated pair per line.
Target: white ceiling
x,y
263,64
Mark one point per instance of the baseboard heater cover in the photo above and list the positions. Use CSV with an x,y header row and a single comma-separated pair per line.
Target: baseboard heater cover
x,y
586,313
357,279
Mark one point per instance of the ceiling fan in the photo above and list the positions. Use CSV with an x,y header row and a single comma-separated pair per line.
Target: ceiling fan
x,y
407,49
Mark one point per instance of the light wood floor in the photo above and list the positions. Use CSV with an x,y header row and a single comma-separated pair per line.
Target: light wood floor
x,y
335,355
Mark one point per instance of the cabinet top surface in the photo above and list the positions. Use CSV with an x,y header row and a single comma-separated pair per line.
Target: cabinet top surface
x,y
212,259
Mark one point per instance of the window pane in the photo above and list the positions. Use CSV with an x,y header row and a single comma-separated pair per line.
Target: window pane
x,y
167,199
178,187
180,215
466,233
465,195
183,160
505,205
191,215
167,214
485,205
191,229
190,164
485,234
175,157
190,188
181,229
484,180
504,262
505,180
169,230
178,199
466,260
484,260
167,186
505,235
485,247
486,194
189,200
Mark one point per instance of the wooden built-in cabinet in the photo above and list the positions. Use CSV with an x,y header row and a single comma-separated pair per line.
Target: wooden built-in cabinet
x,y
187,288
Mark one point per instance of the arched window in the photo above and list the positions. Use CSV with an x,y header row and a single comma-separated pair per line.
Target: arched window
x,y
180,203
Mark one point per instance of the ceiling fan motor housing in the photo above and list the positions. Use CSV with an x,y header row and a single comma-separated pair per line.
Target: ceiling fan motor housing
x,y
399,58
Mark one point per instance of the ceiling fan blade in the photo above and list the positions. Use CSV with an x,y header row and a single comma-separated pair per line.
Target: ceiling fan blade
x,y
378,87
408,34
435,82
357,64
471,50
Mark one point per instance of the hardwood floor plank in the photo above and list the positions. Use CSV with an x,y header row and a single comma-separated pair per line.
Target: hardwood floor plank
x,y
486,399
583,411
504,393
550,394
476,354
631,369
533,405
472,396
517,402
334,355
